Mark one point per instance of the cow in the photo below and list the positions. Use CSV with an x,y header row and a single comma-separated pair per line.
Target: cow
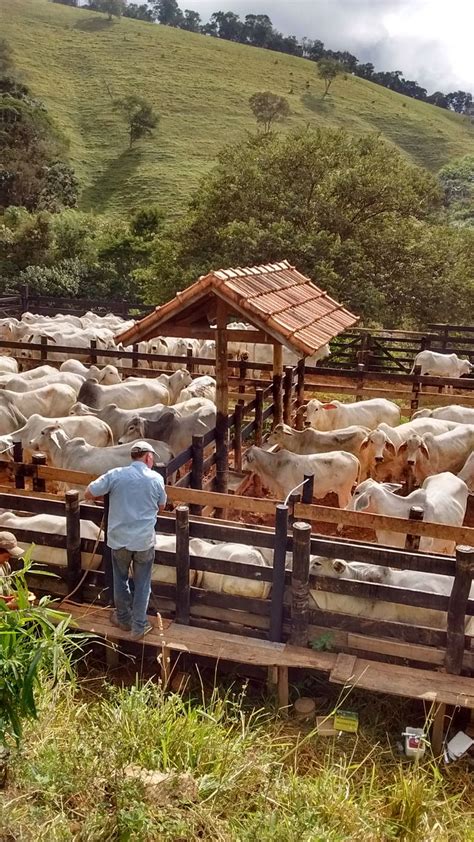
x,y
178,432
10,419
336,415
429,454
441,365
201,387
8,365
377,609
107,376
132,395
52,400
76,455
467,473
117,418
442,497
310,441
22,384
455,412
53,525
94,430
283,471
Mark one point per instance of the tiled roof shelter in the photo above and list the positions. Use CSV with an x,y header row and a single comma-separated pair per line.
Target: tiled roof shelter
x,y
284,307
279,301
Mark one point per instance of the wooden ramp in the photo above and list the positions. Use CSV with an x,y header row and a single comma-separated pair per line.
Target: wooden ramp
x,y
348,670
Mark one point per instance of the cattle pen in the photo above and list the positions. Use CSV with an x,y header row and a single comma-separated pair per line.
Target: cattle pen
x,y
281,628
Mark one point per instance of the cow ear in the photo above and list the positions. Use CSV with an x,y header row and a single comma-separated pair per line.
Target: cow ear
x,y
339,565
403,447
330,405
389,445
365,443
424,450
55,438
362,502
393,486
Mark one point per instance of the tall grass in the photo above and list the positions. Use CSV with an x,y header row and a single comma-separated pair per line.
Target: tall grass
x,y
257,777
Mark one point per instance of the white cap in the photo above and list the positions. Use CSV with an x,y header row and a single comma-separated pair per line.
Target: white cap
x,y
141,446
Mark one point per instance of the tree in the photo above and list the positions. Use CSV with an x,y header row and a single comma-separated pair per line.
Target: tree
x,y
228,26
191,21
258,30
168,13
139,114
112,8
328,69
269,108
67,2
439,99
139,12
349,212
459,101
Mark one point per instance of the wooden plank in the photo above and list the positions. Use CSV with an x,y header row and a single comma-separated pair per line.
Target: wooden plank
x,y
326,514
211,498
344,668
61,475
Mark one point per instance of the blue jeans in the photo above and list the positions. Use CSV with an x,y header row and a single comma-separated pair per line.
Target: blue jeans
x,y
132,609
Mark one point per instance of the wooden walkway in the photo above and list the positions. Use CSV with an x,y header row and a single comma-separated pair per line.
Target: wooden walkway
x,y
348,670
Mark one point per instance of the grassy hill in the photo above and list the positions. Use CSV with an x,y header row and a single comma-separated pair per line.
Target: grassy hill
x,y
77,62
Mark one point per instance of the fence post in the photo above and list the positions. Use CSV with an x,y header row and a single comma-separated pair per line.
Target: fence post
x,y
44,348
257,483
107,558
457,609
415,389
189,359
93,353
445,338
278,581
24,297
183,591
135,360
360,381
412,542
20,471
238,416
277,392
197,470
287,394
300,383
242,375
39,484
307,491
73,540
300,584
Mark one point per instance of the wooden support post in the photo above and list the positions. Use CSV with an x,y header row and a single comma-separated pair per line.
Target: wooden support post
x,y
415,392
307,490
278,581
107,558
359,394
457,609
238,415
39,484
437,729
257,483
20,471
283,692
44,348
183,591
243,364
135,360
189,359
444,338
287,394
300,584
197,470
277,385
300,383
73,541
222,403
294,499
93,353
24,297
412,542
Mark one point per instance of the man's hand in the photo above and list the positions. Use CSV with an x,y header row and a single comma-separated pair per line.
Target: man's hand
x,y
89,497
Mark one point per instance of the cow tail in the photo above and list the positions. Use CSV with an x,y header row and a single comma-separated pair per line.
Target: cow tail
x,y
110,437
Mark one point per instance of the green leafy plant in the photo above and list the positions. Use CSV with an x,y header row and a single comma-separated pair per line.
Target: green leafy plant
x,y
35,643
323,643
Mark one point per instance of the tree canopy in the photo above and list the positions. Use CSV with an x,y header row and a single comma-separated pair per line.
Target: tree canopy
x,y
269,108
140,117
352,213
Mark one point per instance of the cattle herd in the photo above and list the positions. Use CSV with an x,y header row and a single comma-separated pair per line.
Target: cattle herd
x,y
85,418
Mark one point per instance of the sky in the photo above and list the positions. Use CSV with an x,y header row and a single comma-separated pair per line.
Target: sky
x,y
431,41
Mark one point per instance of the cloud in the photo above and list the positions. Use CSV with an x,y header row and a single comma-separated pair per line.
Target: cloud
x,y
429,40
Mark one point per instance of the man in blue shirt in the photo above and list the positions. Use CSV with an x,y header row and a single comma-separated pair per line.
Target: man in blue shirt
x,y
136,494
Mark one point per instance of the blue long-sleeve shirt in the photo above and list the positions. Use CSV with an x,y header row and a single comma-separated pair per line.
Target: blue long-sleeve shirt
x,y
135,492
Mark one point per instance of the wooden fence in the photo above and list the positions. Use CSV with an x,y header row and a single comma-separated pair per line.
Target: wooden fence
x,y
289,612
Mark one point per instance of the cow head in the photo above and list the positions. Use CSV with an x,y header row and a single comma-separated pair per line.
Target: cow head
x,y
413,446
465,367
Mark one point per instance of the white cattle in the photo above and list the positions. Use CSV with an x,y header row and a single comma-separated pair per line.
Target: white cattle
x,y
377,609
336,415
53,525
8,364
379,452
467,473
76,455
430,454
52,400
132,395
281,472
441,365
94,430
310,441
201,387
21,384
34,373
118,418
442,497
177,431
206,351
107,376
10,419
455,412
